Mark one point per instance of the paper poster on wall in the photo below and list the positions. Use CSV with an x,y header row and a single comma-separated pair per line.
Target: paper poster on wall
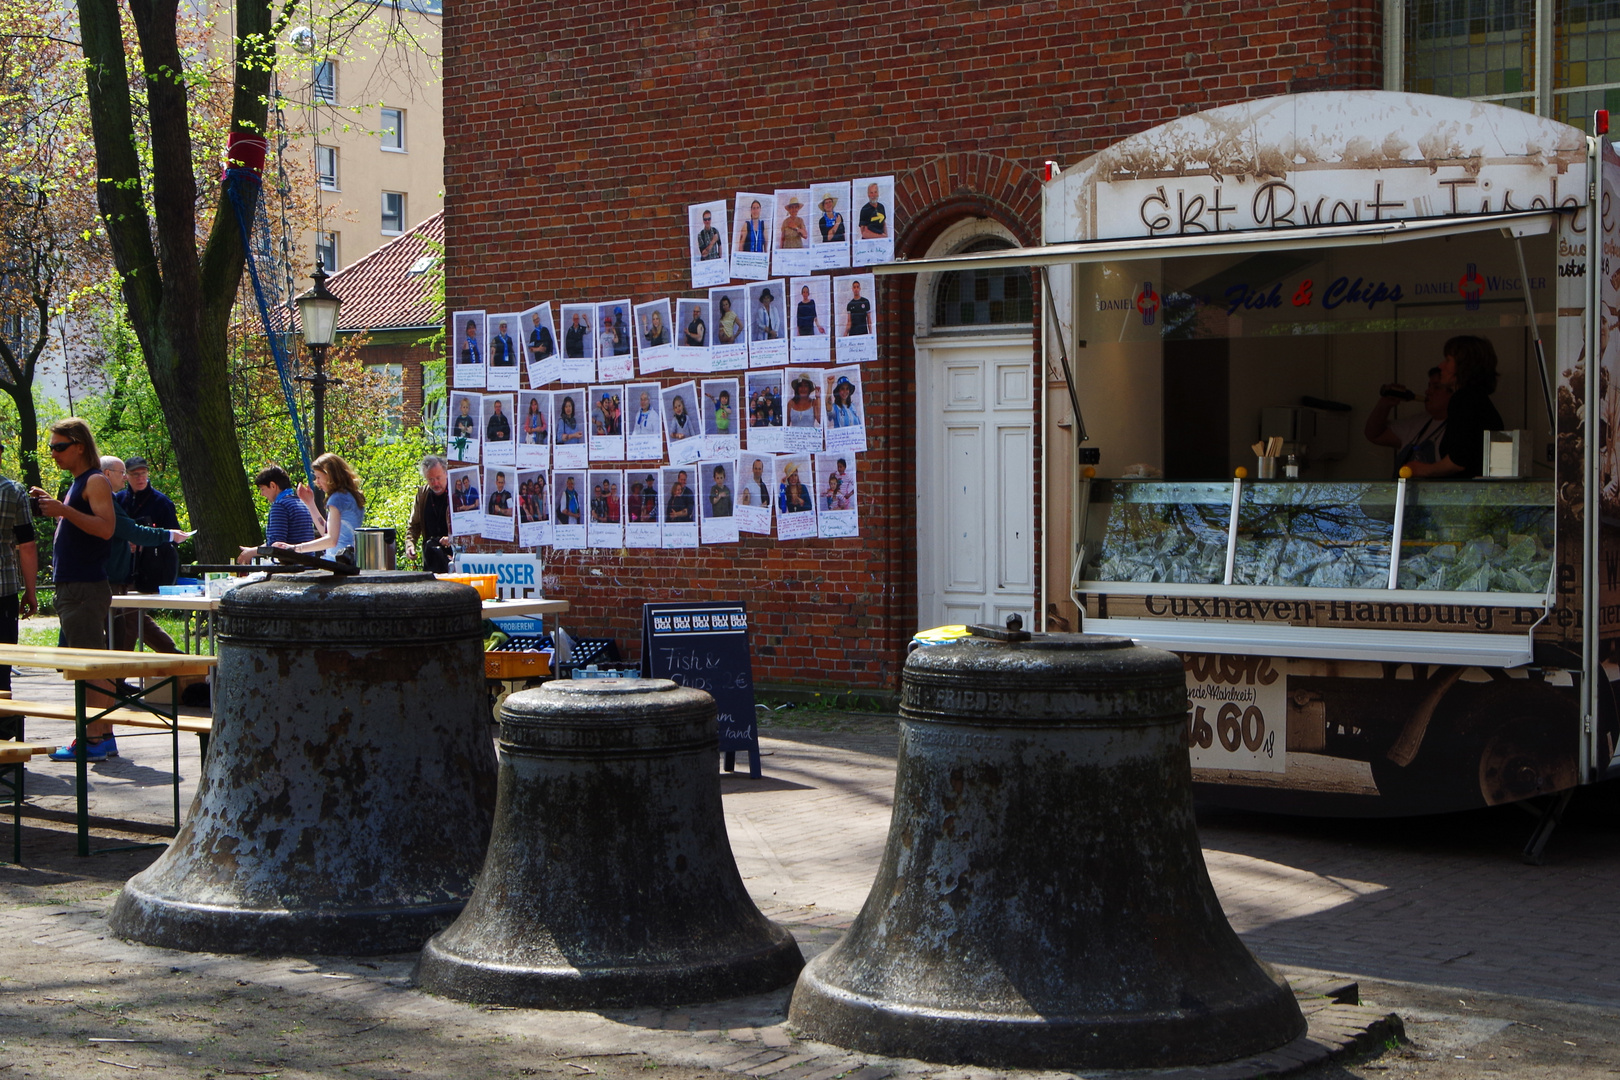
x,y
807,333
540,345
499,448
829,226
692,336
835,496
657,344
706,229
791,254
721,423
754,215
756,486
607,423
568,448
466,509
605,527
855,317
682,429
579,343
767,324
499,520
534,429
680,507
643,423
801,430
729,349
501,344
643,509
717,506
765,392
795,504
615,341
844,408
466,426
568,521
873,239
467,349
534,508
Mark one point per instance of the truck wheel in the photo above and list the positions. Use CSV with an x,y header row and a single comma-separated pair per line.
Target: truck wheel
x,y
1523,735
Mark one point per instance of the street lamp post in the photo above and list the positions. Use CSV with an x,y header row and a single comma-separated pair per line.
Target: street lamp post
x,y
318,315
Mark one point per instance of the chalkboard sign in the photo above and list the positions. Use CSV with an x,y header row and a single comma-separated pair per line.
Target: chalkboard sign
x,y
705,646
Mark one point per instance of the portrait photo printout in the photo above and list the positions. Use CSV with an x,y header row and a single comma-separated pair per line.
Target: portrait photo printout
x,y
534,508
767,324
835,496
579,343
756,491
500,516
503,349
711,257
683,431
765,393
467,345
607,423
466,426
615,341
855,318
717,500
540,347
680,506
692,336
872,241
568,427
843,408
795,502
605,517
728,341
534,429
801,426
721,419
643,509
829,226
643,423
569,508
466,508
753,225
499,449
810,320
791,255
655,329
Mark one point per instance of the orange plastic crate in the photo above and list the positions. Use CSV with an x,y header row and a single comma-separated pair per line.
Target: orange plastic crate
x,y
516,665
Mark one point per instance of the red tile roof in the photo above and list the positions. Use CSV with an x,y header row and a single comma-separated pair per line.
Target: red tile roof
x,y
380,293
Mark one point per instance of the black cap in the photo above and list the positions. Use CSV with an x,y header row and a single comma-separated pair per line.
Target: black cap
x,y
136,462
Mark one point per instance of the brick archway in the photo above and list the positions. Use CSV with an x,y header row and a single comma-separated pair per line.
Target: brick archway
x,y
950,187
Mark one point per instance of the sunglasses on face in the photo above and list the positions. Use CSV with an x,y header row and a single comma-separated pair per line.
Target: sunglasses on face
x,y
58,447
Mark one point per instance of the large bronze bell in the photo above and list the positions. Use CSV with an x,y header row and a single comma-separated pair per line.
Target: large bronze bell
x,y
347,795
609,879
1042,901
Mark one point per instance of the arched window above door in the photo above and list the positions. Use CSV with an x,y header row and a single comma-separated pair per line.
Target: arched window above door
x,y
981,299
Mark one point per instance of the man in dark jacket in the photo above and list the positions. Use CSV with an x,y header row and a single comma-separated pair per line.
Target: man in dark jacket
x,y
129,534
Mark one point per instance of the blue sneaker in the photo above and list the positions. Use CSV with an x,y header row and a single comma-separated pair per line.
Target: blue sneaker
x,y
95,750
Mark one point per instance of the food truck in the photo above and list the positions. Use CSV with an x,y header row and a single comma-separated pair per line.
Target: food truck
x,y
1227,298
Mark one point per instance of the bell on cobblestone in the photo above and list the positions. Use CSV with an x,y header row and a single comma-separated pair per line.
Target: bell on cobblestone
x,y
347,794
1042,900
609,879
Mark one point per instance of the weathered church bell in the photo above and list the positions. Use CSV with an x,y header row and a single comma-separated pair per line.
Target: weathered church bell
x,y
609,879
347,795
1043,901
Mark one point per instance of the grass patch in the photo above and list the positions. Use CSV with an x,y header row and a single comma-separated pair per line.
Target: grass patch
x,y
47,637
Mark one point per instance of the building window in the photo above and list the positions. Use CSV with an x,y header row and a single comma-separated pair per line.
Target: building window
x,y
393,129
966,298
393,213
325,81
1557,58
326,249
326,167
392,378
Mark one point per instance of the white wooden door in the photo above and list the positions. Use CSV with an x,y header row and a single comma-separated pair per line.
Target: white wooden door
x,y
975,482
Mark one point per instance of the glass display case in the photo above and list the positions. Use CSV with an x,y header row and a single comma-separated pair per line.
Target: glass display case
x,y
1438,536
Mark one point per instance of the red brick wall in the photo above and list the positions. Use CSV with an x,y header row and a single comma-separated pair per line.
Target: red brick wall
x,y
577,134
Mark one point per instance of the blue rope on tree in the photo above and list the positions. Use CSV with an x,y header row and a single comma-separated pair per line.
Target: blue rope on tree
x,y
234,179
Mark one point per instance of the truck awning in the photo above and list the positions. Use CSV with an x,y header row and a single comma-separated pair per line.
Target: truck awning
x,y
1513,223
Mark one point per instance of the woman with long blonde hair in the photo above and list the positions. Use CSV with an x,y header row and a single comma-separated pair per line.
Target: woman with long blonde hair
x,y
345,508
